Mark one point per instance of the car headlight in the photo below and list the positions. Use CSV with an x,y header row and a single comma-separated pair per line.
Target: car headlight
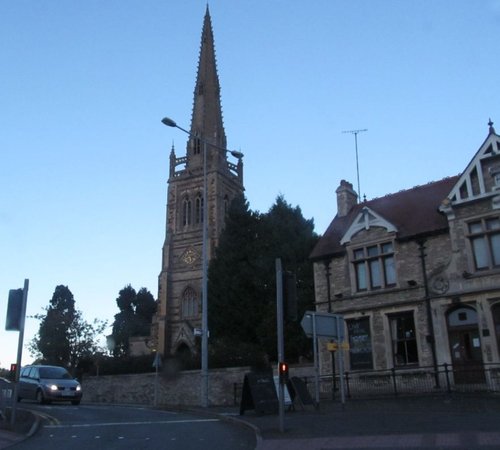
x,y
78,388
52,387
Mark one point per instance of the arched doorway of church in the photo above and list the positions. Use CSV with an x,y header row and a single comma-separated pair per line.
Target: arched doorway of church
x,y
465,345
183,354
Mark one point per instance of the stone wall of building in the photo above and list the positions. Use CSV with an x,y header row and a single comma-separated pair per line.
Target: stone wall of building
x,y
173,388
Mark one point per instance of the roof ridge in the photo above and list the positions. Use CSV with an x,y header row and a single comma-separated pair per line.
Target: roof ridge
x,y
418,186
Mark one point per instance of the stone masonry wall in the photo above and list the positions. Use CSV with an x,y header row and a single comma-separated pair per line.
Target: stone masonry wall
x,y
173,388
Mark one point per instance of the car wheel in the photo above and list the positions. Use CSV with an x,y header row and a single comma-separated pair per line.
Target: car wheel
x,y
75,402
40,398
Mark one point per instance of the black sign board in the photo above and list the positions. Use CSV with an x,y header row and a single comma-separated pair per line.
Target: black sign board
x,y
301,391
360,344
259,393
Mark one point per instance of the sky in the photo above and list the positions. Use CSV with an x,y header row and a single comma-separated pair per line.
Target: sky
x,y
84,85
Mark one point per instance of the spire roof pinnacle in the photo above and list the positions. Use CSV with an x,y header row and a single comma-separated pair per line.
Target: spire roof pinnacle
x,y
490,124
207,119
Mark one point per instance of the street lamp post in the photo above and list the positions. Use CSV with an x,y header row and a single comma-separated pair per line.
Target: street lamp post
x,y
204,283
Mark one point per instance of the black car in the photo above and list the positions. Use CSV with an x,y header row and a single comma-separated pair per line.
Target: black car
x,y
48,383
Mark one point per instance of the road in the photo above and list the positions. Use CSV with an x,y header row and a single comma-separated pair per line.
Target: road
x,y
121,427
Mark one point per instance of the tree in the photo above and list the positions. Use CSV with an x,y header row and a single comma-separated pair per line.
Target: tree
x,y
64,337
290,237
242,285
134,319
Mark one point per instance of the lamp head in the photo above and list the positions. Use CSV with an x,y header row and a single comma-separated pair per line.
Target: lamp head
x,y
236,154
168,122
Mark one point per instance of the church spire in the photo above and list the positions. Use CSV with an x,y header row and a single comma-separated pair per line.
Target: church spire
x,y
207,121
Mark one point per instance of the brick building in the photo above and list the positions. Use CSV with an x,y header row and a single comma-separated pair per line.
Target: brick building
x,y
416,274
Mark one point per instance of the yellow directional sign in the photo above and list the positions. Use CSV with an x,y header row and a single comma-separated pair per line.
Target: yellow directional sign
x,y
334,346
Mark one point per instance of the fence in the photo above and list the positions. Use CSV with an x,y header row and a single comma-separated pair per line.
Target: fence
x,y
410,381
6,395
403,381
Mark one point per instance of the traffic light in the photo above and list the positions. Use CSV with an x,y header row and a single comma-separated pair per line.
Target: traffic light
x,y
283,372
12,373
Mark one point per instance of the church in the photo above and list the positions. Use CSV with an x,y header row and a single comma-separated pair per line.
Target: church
x,y
179,316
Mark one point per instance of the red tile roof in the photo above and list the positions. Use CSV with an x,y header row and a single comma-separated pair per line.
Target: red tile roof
x,y
413,212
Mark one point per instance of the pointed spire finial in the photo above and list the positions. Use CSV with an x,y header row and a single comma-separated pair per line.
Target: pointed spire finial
x,y
206,119
490,124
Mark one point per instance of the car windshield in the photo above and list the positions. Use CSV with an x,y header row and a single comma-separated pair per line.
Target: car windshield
x,y
54,373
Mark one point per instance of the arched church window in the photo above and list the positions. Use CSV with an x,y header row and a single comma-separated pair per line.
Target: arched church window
x,y
186,212
196,145
189,303
198,209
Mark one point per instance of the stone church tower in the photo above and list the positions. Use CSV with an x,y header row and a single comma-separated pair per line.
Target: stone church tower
x,y
180,279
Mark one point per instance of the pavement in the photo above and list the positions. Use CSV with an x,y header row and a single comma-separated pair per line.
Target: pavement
x,y
451,422
26,425
440,422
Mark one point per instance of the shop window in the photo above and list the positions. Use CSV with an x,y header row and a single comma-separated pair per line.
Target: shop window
x,y
374,267
404,339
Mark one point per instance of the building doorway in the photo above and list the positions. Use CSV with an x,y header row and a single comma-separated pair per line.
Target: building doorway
x,y
495,311
184,355
465,345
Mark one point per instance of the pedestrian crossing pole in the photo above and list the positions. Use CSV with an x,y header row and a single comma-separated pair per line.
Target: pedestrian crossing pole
x,y
281,341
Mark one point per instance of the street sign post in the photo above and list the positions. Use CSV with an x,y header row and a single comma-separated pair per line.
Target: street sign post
x,y
157,366
318,324
325,325
17,324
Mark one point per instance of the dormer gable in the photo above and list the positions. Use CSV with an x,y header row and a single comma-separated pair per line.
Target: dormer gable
x,y
481,178
366,219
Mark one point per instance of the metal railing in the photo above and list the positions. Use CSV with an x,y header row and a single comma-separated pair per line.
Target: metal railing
x,y
403,381
410,381
6,396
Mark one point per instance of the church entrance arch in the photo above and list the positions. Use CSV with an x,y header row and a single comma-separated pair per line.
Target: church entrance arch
x,y
465,345
183,354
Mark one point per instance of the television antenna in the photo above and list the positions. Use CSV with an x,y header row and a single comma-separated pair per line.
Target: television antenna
x,y
356,132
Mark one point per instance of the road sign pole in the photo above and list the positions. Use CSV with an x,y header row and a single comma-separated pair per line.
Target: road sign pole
x,y
19,352
281,340
340,331
316,361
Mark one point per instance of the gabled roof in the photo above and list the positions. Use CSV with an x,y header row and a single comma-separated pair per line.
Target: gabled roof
x,y
412,212
366,219
472,183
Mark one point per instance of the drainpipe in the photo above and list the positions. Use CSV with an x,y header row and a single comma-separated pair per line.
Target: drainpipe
x,y
430,337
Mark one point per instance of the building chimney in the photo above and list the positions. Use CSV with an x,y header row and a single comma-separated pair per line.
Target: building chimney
x,y
346,198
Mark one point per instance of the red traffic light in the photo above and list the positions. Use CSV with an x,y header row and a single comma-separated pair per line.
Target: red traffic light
x,y
283,372
283,367
13,370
